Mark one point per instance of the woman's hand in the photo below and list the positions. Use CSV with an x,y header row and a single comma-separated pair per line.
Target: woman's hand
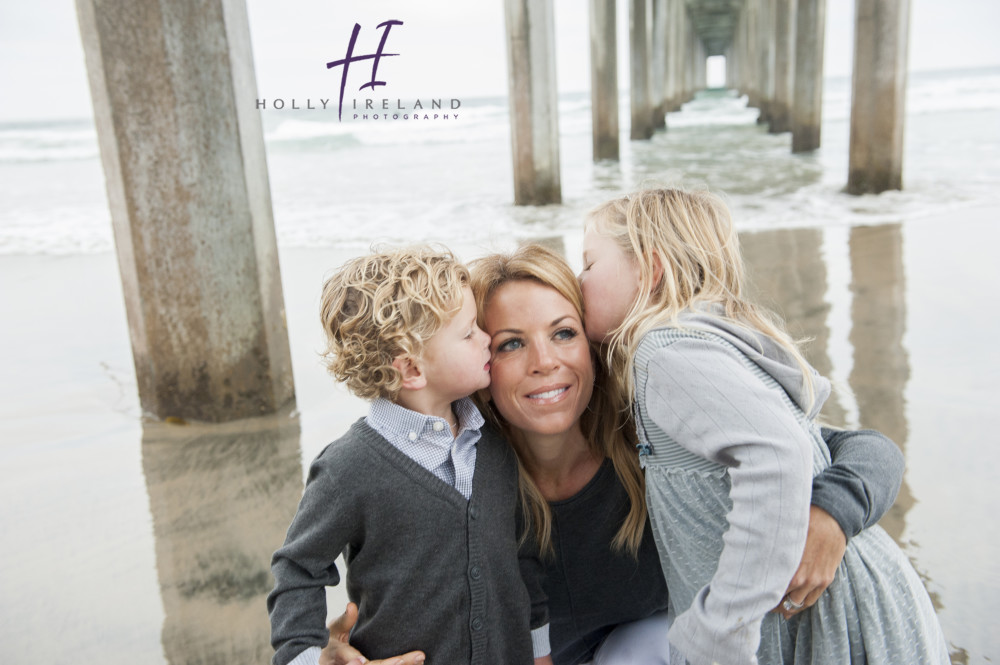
x,y
825,546
340,652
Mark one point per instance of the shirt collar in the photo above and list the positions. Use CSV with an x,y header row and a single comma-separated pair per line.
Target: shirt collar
x,y
386,411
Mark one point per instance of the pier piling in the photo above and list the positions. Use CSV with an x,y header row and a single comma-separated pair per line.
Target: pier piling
x,y
604,79
807,109
183,153
878,97
533,101
641,105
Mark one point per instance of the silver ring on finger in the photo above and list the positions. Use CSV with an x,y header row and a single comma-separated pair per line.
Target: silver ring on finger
x,y
791,606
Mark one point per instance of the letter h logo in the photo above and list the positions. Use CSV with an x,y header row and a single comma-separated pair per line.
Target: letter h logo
x,y
374,57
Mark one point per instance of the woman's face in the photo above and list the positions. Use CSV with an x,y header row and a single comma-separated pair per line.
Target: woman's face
x,y
542,375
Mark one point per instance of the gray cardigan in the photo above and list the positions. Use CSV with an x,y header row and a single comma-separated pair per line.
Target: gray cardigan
x,y
428,569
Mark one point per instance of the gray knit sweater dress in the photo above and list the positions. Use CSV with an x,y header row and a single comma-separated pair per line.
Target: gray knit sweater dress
x,y
730,448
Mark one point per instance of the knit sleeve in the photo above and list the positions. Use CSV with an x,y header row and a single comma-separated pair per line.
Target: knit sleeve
x,y
304,565
701,395
861,484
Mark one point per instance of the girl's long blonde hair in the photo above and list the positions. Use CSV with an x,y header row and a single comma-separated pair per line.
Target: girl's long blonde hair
x,y
688,254
607,430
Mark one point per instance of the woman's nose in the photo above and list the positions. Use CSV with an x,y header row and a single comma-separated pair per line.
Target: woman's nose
x,y
543,359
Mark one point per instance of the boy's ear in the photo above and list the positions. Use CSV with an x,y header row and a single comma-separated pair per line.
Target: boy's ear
x,y
411,371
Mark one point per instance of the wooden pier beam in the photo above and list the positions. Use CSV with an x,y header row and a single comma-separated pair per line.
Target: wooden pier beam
x,y
639,95
183,153
878,99
534,123
807,109
784,65
604,79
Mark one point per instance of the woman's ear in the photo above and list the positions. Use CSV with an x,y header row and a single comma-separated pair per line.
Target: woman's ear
x,y
657,263
411,371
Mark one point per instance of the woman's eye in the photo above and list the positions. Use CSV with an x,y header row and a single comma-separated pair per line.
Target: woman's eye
x,y
566,333
512,344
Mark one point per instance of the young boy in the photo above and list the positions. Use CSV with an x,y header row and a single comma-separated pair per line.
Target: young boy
x,y
418,499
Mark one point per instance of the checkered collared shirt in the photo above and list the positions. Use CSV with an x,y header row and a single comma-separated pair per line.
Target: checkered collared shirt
x,y
428,441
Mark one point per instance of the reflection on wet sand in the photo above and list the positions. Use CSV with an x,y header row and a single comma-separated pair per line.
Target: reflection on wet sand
x,y
881,363
788,275
221,498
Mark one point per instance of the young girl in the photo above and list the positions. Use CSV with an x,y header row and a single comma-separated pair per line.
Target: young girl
x,y
724,405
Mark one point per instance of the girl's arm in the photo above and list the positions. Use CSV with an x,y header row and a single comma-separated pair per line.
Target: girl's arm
x,y
861,484
701,395
850,495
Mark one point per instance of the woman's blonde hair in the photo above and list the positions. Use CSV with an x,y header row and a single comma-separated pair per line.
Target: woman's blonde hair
x,y
606,429
689,235
384,305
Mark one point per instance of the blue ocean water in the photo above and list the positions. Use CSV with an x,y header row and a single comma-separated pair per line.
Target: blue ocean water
x,y
354,182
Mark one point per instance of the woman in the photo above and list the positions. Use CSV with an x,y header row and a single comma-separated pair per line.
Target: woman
x,y
582,490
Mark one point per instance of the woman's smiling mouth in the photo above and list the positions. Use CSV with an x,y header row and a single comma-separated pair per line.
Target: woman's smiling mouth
x,y
548,395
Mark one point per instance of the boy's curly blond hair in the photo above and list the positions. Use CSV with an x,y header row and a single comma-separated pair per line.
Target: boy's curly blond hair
x,y
384,305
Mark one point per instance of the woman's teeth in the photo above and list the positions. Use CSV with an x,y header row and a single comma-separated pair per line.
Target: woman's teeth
x,y
548,393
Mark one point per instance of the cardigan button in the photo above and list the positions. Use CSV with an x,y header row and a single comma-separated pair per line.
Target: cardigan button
x,y
475,572
473,512
477,624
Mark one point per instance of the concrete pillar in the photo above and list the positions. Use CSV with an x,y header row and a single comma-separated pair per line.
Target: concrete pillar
x,y
534,123
683,54
641,104
604,79
658,63
675,58
183,153
765,27
670,56
807,109
878,101
751,70
784,65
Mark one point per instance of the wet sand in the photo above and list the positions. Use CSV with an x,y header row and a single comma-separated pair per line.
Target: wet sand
x,y
128,540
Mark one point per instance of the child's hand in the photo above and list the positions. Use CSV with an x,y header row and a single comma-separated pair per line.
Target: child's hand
x,y
544,660
339,651
825,545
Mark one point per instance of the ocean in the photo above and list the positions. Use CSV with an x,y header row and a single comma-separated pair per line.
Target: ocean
x,y
347,184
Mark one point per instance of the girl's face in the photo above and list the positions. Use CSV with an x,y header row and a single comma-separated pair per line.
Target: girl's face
x,y
542,375
610,284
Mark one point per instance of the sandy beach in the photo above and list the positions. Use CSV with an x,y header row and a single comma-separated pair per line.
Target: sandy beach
x,y
133,541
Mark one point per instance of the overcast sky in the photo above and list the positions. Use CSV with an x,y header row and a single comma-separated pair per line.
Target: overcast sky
x,y
447,48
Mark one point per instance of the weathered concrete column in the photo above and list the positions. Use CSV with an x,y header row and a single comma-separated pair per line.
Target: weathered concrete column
x,y
641,104
751,71
183,153
784,65
878,101
807,109
765,37
658,63
534,123
604,79
675,55
670,57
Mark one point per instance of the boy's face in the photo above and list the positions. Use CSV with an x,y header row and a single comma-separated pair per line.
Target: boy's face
x,y
456,360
